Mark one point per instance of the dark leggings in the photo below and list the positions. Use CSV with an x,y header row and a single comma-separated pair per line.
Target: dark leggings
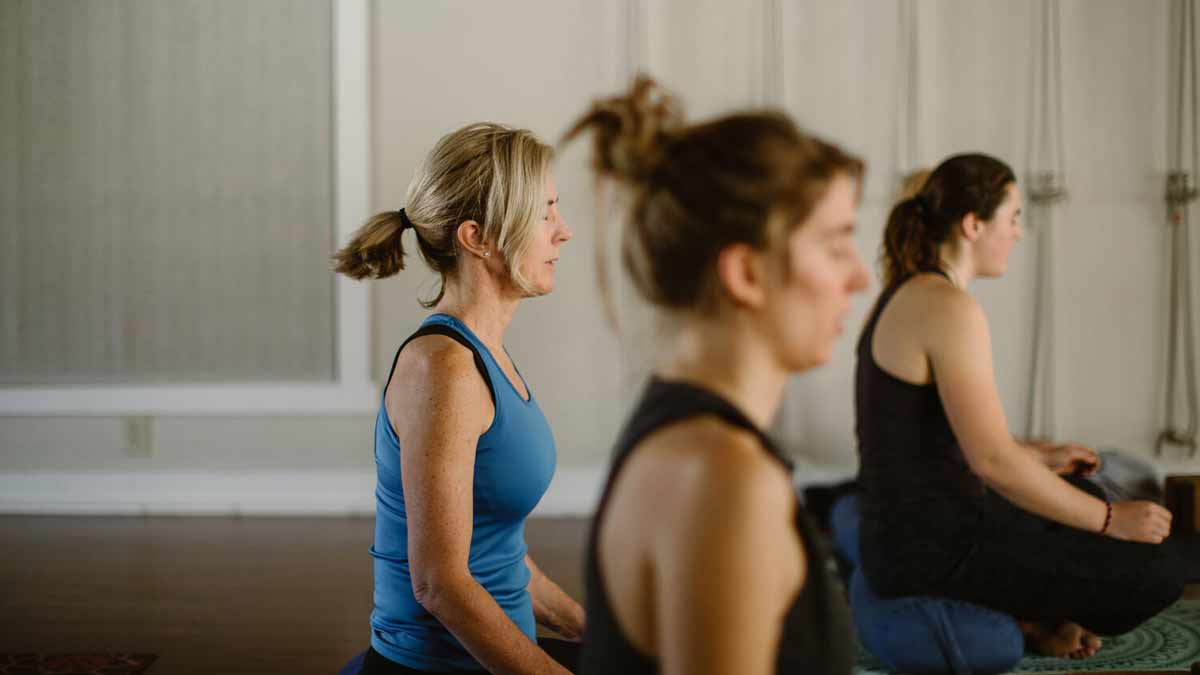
x,y
1003,557
566,653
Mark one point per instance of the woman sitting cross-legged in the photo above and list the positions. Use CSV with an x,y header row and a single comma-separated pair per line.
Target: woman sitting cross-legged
x,y
951,504
462,450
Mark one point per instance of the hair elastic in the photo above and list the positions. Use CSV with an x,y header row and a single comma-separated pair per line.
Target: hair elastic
x,y
405,223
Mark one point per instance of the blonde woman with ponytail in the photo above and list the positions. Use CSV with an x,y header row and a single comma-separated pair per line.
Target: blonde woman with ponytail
x,y
740,232
462,450
952,505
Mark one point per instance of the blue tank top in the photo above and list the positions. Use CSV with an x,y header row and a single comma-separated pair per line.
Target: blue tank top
x,y
514,462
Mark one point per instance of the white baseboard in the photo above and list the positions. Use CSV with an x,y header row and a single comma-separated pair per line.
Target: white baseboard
x,y
574,492
806,474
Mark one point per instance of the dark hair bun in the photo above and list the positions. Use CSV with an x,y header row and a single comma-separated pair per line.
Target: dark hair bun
x,y
631,132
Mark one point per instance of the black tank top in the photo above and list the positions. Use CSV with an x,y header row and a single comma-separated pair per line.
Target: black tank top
x,y
907,451
816,635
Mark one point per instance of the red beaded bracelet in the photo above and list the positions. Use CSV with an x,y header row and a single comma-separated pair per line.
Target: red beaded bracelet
x,y
1107,517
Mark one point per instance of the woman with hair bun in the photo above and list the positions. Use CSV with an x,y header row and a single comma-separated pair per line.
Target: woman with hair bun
x,y
462,451
741,233
952,505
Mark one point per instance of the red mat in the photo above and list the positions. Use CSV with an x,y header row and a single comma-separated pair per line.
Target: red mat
x,y
75,664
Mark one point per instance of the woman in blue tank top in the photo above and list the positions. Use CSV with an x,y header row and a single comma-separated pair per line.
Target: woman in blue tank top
x,y
462,450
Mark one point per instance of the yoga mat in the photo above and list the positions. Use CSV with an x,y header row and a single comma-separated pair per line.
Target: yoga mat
x,y
1169,641
75,664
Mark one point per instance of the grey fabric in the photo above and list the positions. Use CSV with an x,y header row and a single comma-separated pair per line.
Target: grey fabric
x,y
166,198
1123,476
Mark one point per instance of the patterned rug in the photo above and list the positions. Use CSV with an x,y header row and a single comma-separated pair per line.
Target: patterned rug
x,y
75,664
1169,641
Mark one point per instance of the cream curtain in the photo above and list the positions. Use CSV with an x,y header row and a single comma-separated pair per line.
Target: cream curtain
x,y
166,193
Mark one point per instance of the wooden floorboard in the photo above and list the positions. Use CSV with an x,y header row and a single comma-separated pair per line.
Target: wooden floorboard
x,y
209,595
213,595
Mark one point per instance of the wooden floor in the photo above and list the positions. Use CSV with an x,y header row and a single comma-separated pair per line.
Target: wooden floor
x,y
212,595
209,595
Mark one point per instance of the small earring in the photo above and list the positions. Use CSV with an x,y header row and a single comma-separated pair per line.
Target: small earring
x,y
487,254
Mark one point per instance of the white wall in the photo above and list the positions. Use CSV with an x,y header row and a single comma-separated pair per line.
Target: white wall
x,y
1111,241
1110,256
536,64
458,62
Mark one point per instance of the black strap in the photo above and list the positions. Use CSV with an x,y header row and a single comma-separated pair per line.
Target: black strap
x,y
936,270
440,329
886,296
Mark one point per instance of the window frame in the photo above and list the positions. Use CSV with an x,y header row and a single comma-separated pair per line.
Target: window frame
x,y
352,391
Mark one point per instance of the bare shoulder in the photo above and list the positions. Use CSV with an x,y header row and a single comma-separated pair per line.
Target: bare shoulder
x,y
941,307
698,546
435,371
731,503
434,355
713,461
934,290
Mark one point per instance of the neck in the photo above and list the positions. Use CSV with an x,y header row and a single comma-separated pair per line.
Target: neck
x,y
958,265
483,307
727,358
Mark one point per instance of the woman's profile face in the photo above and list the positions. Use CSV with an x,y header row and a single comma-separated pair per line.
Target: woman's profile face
x,y
1000,234
541,260
807,310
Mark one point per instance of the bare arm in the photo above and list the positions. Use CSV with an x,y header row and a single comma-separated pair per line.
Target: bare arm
x,y
439,406
727,570
553,608
960,353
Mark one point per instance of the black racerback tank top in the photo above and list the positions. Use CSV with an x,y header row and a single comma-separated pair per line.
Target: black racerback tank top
x,y
816,635
908,453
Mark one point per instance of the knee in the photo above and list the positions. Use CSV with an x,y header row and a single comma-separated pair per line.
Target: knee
x,y
934,635
1162,589
1170,580
354,665
1166,593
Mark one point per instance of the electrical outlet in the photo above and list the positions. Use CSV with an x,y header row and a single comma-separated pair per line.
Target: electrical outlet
x,y
137,436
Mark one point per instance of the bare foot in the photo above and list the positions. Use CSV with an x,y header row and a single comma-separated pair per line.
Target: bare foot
x,y
1091,645
1066,640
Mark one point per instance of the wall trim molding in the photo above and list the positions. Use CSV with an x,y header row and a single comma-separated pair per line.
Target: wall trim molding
x,y
353,391
574,492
